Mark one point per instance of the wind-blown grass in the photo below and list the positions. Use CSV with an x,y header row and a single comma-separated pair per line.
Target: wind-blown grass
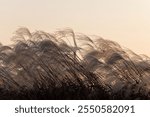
x,y
66,65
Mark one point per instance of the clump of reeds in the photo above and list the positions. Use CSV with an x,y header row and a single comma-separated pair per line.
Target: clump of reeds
x,y
66,65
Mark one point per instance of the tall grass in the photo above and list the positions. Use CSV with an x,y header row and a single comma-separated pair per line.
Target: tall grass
x,y
66,65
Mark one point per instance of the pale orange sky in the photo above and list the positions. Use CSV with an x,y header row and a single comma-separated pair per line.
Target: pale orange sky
x,y
124,21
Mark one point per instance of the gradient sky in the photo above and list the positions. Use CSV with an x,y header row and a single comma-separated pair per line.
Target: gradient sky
x,y
124,21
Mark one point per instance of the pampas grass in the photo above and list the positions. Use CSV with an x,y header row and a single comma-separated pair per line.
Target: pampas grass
x,y
66,65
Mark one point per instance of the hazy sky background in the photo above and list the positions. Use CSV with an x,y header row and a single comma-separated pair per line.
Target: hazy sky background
x,y
124,21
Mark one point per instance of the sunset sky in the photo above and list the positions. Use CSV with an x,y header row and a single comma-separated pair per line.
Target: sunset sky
x,y
124,21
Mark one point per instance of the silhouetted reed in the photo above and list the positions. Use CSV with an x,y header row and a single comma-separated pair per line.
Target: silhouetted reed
x,y
66,65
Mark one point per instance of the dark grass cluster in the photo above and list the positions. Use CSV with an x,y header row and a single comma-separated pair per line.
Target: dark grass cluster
x,y
68,65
